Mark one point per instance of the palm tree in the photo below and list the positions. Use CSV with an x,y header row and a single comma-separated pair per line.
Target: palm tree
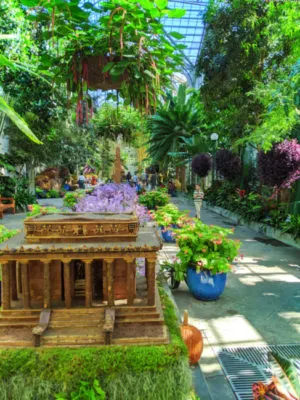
x,y
173,130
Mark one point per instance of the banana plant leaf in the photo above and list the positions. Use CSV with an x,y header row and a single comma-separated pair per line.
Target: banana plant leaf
x,y
17,120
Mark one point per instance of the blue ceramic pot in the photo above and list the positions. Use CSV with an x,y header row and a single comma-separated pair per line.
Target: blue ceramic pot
x,y
205,286
167,235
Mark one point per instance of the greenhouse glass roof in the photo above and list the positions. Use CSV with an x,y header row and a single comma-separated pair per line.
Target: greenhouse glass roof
x,y
191,25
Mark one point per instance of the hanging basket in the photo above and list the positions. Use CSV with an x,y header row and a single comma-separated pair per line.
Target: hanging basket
x,y
102,80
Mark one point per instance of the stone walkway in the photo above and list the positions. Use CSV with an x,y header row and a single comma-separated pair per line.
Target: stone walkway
x,y
261,302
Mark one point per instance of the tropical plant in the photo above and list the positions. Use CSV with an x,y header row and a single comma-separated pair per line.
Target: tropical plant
x,y
179,119
228,164
201,164
280,166
154,199
53,194
204,247
127,42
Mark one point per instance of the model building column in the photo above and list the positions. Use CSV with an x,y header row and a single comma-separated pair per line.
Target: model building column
x,y
6,281
88,283
110,281
67,283
130,280
13,277
150,268
25,284
47,284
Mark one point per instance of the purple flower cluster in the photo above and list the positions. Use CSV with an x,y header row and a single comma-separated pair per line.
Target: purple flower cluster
x,y
280,167
114,198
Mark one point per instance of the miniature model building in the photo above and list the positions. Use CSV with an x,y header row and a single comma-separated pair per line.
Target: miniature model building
x,y
81,279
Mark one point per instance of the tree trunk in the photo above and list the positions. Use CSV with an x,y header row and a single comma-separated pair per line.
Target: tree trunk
x,y
183,179
31,177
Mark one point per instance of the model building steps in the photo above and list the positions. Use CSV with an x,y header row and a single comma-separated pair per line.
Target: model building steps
x,y
19,318
80,317
135,315
70,337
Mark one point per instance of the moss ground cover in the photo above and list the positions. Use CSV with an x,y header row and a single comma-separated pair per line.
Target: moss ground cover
x,y
127,372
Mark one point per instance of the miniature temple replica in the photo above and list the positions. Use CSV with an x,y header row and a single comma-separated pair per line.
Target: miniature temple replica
x,y
76,279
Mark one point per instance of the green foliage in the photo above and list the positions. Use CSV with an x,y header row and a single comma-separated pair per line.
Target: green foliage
x,y
169,215
6,233
111,121
176,127
251,71
19,387
288,371
253,206
133,35
53,194
204,247
85,392
37,209
127,372
153,199
22,196
71,198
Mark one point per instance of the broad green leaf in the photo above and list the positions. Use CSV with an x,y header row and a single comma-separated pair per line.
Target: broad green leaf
x,y
108,66
4,61
30,3
17,120
146,4
176,13
176,35
161,3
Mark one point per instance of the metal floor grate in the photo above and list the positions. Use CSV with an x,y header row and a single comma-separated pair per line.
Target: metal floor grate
x,y
246,365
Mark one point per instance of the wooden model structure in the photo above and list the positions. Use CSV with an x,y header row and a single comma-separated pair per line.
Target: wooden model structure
x,y
73,279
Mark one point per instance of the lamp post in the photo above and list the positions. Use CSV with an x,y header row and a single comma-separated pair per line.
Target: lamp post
x,y
214,137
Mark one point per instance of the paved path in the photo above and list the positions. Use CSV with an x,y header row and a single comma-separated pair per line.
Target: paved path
x,y
261,302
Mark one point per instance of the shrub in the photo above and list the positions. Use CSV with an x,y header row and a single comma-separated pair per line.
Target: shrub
x,y
154,199
201,164
280,166
53,194
228,164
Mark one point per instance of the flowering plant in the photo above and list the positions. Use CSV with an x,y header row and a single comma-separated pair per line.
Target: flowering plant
x,y
205,247
153,199
113,198
71,198
169,215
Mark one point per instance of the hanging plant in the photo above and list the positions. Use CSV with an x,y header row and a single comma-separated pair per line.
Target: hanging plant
x,y
125,50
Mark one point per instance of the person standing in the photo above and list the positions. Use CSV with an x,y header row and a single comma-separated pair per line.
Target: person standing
x,y
81,181
128,177
135,178
198,197
153,181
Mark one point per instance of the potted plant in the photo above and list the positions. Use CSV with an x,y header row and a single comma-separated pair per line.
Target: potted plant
x,y
169,217
154,199
205,257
